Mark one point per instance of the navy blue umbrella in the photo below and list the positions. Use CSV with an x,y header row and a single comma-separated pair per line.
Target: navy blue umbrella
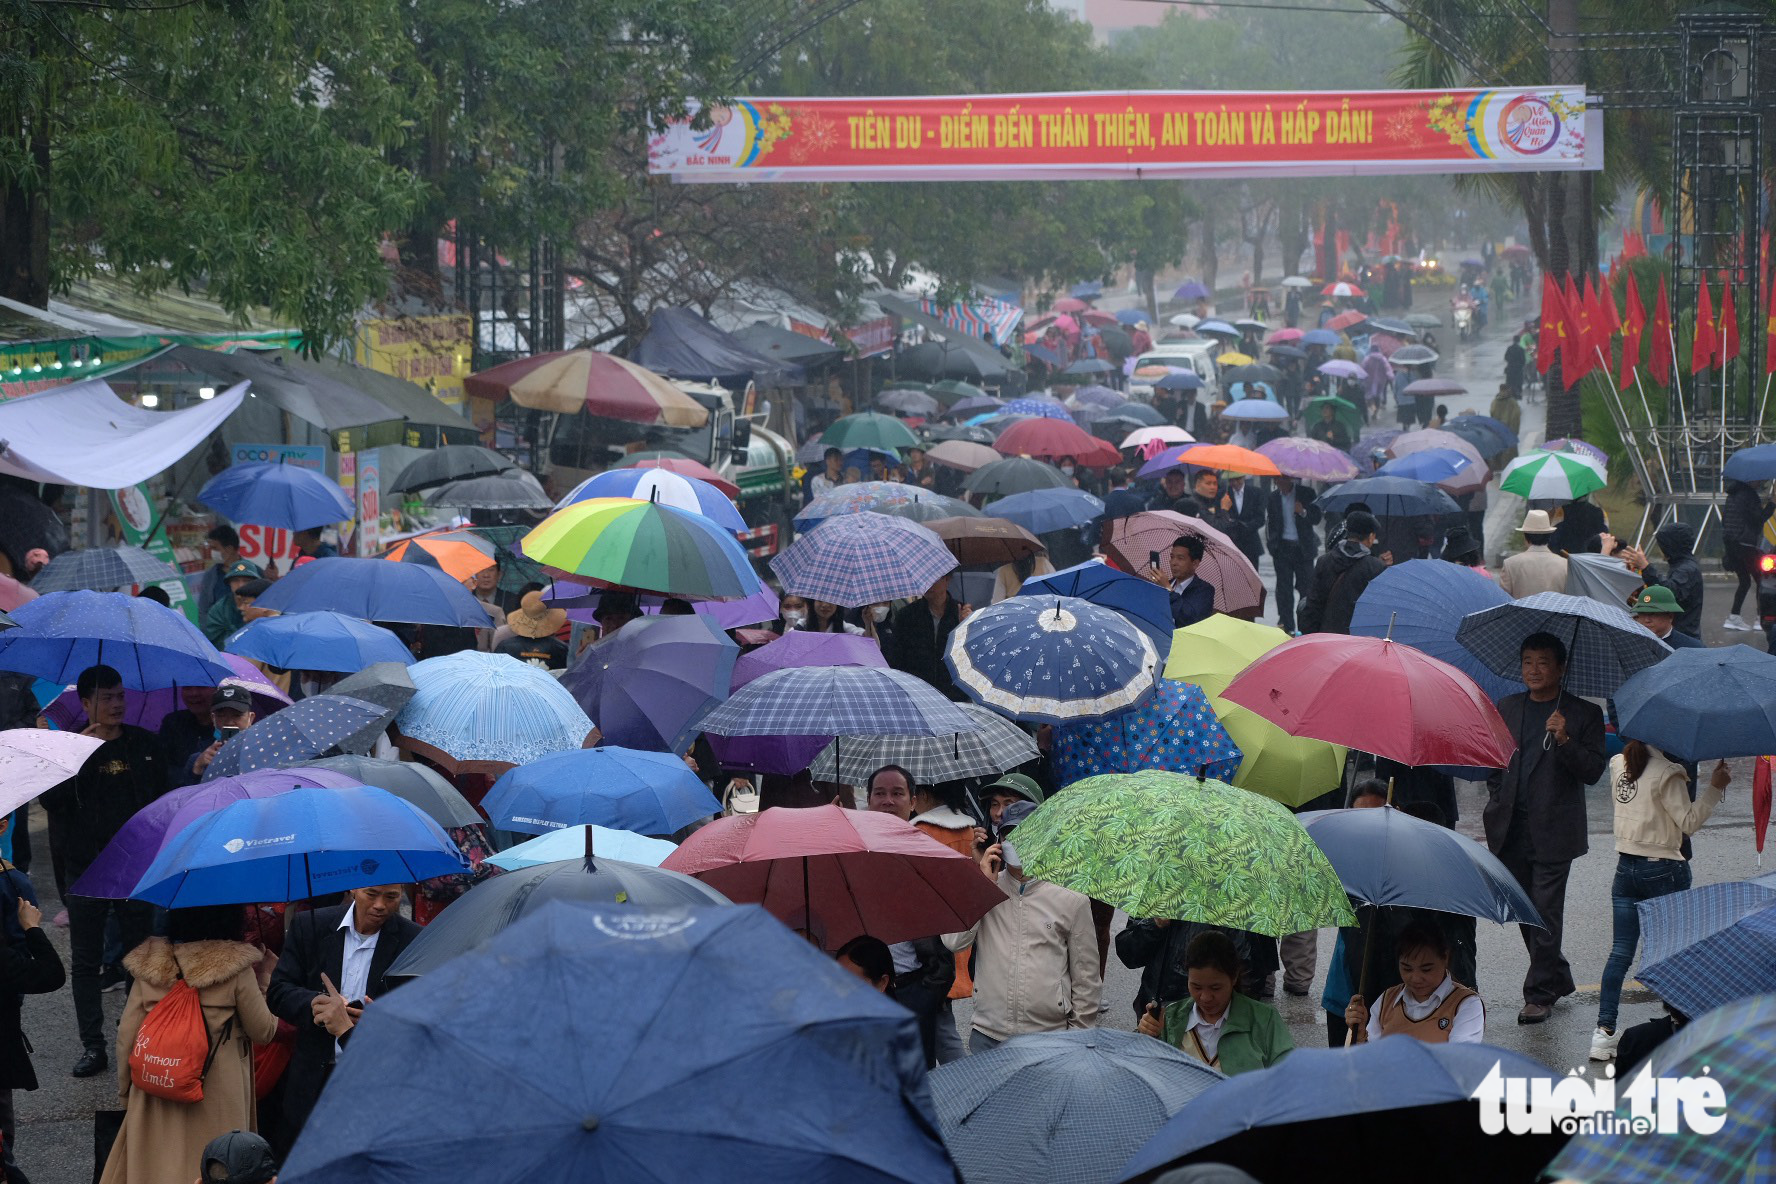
x,y
318,641
1320,1106
273,494
611,1044
650,793
1757,463
1703,703
1390,497
502,901
1707,947
1052,659
312,727
377,590
150,645
1385,857
1044,354
1179,380
1420,602
1040,511
1142,601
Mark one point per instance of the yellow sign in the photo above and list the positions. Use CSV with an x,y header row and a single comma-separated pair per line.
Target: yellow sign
x,y
430,351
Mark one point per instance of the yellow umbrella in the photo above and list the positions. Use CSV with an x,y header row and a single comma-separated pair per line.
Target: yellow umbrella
x,y
1288,769
1233,358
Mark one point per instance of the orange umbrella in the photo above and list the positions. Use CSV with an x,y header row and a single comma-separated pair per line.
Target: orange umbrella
x,y
1229,458
586,380
459,554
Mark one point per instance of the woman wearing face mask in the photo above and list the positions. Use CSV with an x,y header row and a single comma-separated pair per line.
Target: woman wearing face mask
x,y
792,612
830,618
1068,466
877,622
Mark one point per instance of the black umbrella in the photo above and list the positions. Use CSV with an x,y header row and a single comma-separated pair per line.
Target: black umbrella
x,y
1253,372
455,462
1285,351
1017,474
513,490
412,783
973,433
1145,413
493,904
938,359
1118,342
385,684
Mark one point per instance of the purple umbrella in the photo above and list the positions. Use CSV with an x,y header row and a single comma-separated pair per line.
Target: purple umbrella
x,y
1309,460
1341,368
790,754
1191,290
1580,447
146,709
648,685
119,867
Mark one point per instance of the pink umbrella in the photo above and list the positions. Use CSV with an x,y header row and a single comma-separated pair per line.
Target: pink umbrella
x,y
1068,326
35,759
1285,336
1068,304
1471,477
1131,542
839,873
1387,343
1309,460
13,594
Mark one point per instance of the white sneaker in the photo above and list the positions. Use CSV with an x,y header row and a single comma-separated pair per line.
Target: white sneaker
x,y
1603,1045
1736,624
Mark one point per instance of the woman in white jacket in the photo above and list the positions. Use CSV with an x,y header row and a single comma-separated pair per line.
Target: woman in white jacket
x,y
1653,814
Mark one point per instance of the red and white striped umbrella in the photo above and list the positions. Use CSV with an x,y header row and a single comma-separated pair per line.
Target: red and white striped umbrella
x,y
1342,289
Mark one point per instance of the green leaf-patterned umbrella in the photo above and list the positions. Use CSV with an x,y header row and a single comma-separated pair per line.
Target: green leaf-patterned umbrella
x,y
1165,845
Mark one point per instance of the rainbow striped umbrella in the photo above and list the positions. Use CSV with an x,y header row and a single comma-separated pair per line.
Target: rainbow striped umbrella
x,y
647,546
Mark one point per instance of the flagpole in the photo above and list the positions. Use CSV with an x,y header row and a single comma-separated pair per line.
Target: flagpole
x,y
1683,415
1647,408
1758,427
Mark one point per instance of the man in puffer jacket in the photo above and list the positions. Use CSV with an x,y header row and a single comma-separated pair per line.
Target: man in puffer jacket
x,y
1682,574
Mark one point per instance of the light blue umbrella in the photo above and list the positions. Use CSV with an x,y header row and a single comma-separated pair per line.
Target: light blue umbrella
x,y
288,496
1431,466
1257,410
1175,731
471,706
377,590
306,842
1053,659
148,644
650,793
317,641
570,843
1041,511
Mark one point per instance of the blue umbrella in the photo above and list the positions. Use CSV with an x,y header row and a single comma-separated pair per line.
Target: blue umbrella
x,y
1040,511
1708,946
1180,380
1703,703
1757,463
650,793
306,842
311,728
648,685
1216,328
1390,497
500,902
1044,354
318,641
1487,434
1087,290
377,590
1604,645
661,485
1045,408
1431,466
1412,1097
684,1013
150,645
1131,316
1142,601
1420,602
103,568
1386,858
1146,415
1052,659
1061,1107
837,701
1319,337
571,843
1175,731
864,558
1086,368
289,496
471,706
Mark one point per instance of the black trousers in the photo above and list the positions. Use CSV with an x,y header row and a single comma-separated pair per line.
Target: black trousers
x,y
1294,574
86,941
1549,977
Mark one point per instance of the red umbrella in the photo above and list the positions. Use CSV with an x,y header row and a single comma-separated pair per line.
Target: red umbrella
x,y
586,380
1051,439
1341,288
684,466
863,872
1760,804
1131,542
1345,320
1378,696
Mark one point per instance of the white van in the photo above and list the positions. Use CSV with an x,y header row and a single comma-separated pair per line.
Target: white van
x,y
1183,355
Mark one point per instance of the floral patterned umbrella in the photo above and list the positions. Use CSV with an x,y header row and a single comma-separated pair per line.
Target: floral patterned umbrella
x,y
1176,731
1165,845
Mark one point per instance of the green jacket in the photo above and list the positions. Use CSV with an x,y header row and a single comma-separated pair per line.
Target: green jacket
x,y
222,619
1253,1036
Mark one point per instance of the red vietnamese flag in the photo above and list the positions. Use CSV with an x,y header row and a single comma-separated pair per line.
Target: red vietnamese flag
x,y
1577,358
1612,320
1727,344
1548,334
1632,324
1660,358
1594,321
1703,341
1770,332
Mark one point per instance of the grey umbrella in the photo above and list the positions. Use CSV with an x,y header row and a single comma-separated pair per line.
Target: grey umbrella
x,y
386,684
1065,1107
996,746
411,782
100,569
513,490
456,462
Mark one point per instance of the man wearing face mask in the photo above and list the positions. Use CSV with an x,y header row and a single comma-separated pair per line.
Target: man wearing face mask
x,y
231,712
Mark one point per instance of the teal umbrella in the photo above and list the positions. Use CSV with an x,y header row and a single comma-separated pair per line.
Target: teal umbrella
x,y
869,430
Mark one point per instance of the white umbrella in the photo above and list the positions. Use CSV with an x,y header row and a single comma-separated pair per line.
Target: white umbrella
x,y
1297,281
1164,433
1185,320
35,759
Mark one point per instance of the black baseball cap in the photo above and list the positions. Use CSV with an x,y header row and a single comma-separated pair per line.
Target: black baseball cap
x,y
233,697
239,1157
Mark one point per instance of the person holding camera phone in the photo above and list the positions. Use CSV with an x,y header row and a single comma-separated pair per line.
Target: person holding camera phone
x,y
231,711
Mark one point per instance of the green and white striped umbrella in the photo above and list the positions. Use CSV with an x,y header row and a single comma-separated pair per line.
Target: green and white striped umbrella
x,y
1553,476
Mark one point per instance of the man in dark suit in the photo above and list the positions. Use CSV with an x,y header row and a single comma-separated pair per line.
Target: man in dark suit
x,y
334,965
1193,598
921,630
1290,514
1535,816
1246,506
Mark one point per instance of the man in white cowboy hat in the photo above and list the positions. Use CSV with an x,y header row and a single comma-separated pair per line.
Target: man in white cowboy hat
x,y
1536,569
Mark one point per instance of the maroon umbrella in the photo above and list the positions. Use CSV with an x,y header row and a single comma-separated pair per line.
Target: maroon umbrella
x,y
855,871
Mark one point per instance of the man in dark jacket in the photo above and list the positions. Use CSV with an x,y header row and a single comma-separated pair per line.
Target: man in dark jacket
x,y
1246,505
29,966
122,775
921,630
1193,598
1339,577
1742,529
1682,574
335,963
1291,512
1535,814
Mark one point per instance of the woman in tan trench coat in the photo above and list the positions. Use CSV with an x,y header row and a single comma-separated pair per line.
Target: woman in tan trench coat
x,y
162,1139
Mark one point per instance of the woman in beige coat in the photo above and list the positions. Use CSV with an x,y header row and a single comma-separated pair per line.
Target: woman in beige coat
x,y
162,1139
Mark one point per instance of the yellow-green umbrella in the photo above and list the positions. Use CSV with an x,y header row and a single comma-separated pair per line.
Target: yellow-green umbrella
x,y
1288,769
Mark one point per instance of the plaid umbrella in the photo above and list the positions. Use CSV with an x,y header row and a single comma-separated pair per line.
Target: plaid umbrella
x,y
837,701
1709,946
1735,1046
863,558
101,569
1604,645
996,746
1176,731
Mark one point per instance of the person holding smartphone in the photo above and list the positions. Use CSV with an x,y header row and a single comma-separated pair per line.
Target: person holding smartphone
x,y
231,713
